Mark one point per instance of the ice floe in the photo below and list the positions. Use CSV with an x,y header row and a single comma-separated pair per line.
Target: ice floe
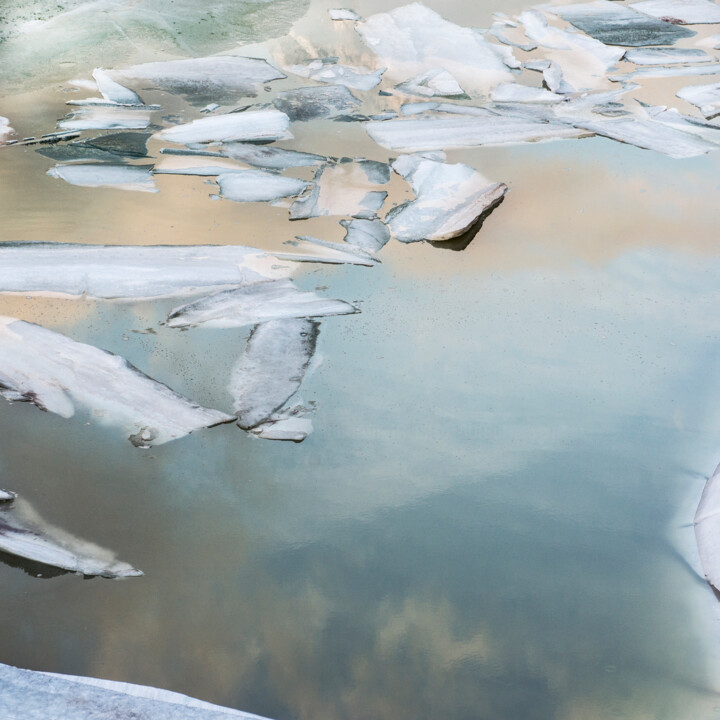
x,y
659,71
7,496
358,78
344,189
512,92
24,534
113,91
368,235
107,118
271,370
310,103
259,186
343,14
704,97
57,374
667,56
255,125
121,177
433,83
683,12
414,39
256,303
450,200
32,695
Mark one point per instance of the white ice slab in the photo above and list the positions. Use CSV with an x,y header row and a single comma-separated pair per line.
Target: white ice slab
x,y
658,71
414,39
40,696
24,534
271,369
433,83
684,12
450,199
265,125
513,92
704,97
667,56
106,118
352,76
259,186
113,91
121,177
255,303
58,374
707,530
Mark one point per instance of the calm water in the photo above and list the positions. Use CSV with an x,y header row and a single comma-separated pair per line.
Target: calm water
x,y
490,519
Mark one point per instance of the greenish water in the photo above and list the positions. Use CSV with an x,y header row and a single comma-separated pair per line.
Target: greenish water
x,y
489,521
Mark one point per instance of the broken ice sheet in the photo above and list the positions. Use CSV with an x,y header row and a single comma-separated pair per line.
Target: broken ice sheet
x,y
24,534
255,303
205,79
683,12
32,695
450,200
414,39
433,83
344,189
259,186
368,235
110,148
358,78
255,125
271,158
615,24
56,373
121,177
439,133
504,30
107,118
667,56
271,369
309,103
704,97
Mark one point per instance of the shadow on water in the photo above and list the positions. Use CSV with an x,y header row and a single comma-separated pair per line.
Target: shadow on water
x,y
32,568
462,241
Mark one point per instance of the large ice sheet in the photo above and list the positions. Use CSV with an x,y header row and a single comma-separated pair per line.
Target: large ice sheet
x,y
122,177
683,12
414,39
33,695
450,200
615,24
58,374
344,189
205,78
704,97
256,303
707,530
271,369
24,534
441,133
256,125
310,103
106,118
352,76
259,186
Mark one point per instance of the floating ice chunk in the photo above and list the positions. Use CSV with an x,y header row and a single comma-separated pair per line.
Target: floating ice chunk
x,y
707,530
309,103
211,107
289,425
5,130
189,165
662,72
24,534
272,158
259,186
704,97
344,189
413,39
451,200
7,496
683,12
134,272
207,78
57,374
122,177
615,24
271,369
686,123
324,251
445,133
255,303
104,148
417,108
667,56
113,91
358,78
368,235
107,118
38,696
552,76
650,135
512,92
255,125
432,83
343,14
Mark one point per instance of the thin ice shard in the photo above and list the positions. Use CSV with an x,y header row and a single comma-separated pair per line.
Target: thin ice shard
x,y
659,71
272,158
255,303
255,125
7,496
457,132
667,56
107,118
351,76
271,369
433,83
512,93
57,374
122,177
359,256
615,24
704,97
683,12
451,200
259,186
113,91
5,130
193,165
368,235
39,696
24,534
707,530
310,103
207,78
